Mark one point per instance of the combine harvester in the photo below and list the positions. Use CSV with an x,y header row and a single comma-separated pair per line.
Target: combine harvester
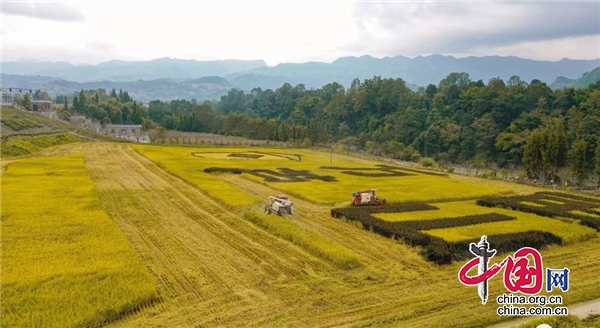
x,y
367,198
280,205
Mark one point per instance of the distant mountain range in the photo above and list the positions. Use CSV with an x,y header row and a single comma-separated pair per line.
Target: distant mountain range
x,y
168,78
127,71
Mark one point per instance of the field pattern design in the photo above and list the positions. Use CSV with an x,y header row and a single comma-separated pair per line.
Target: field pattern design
x,y
552,205
384,171
420,187
186,227
436,249
282,175
250,155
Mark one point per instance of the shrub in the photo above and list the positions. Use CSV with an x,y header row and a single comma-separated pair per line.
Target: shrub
x,y
427,162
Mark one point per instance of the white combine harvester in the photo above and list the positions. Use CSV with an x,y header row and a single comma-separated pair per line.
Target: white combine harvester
x,y
279,205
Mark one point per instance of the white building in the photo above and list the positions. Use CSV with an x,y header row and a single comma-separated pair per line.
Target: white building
x,y
131,132
41,106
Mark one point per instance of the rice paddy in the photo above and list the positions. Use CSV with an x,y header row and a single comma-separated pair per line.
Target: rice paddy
x,y
64,261
192,248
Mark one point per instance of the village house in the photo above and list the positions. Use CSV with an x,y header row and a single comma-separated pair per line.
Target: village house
x,y
132,132
81,121
7,97
41,106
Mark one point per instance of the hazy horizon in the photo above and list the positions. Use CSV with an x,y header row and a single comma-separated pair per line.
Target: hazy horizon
x,y
293,32
32,60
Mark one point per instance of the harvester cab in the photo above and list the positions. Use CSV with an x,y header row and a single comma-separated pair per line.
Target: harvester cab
x,y
367,198
279,205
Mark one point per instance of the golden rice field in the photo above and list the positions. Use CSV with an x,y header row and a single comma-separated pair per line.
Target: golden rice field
x,y
568,230
417,187
213,258
64,261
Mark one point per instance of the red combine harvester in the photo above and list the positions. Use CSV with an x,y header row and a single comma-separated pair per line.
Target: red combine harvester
x,y
367,198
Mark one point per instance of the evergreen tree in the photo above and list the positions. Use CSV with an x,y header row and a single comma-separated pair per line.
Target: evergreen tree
x,y
136,114
82,104
75,107
532,156
578,160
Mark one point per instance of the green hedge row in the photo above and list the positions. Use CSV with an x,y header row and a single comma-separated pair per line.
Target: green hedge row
x,y
256,155
502,243
284,174
242,155
388,171
293,157
384,171
363,211
436,249
551,210
224,170
416,171
576,197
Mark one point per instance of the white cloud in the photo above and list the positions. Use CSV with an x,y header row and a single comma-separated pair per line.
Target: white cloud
x,y
54,11
274,32
583,47
295,31
415,28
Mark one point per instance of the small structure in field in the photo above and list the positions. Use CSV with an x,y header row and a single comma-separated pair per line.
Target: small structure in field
x,y
41,106
80,120
131,132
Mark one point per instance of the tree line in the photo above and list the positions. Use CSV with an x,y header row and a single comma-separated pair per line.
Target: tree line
x,y
113,107
552,135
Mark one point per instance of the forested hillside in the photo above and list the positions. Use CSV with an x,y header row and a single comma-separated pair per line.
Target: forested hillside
x,y
553,135
586,79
